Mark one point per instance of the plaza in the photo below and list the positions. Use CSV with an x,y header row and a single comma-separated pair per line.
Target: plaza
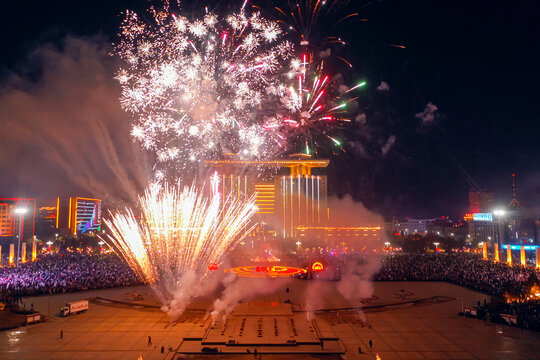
x,y
404,320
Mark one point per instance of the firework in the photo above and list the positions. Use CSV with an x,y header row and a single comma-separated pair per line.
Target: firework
x,y
314,106
180,233
195,87
313,21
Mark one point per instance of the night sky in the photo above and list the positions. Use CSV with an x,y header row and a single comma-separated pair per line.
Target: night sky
x,y
476,61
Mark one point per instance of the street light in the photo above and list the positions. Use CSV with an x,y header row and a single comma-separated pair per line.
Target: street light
x,y
21,211
436,245
500,214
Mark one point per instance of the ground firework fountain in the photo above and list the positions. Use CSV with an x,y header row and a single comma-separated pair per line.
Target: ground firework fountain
x,y
179,233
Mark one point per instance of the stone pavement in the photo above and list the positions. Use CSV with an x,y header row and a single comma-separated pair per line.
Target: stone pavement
x,y
404,320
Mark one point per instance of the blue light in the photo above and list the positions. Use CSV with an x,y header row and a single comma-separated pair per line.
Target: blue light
x,y
518,247
483,217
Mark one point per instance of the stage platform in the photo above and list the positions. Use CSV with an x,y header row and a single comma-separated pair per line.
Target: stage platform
x,y
271,328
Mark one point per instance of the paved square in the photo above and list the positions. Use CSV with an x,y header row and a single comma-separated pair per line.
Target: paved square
x,y
424,324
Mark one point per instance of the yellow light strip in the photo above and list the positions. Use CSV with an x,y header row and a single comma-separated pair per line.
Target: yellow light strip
x,y
338,228
57,210
287,163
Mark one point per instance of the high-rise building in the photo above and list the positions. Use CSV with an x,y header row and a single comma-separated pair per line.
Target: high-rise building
x,y
84,215
14,222
285,200
480,201
46,221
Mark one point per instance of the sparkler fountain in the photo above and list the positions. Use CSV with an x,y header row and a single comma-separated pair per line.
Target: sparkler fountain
x,y
180,232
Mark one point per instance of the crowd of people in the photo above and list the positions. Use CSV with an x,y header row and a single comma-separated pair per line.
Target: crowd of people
x,y
64,272
463,269
514,288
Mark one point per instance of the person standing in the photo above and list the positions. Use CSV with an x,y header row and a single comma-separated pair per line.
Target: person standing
x,y
149,341
61,333
370,344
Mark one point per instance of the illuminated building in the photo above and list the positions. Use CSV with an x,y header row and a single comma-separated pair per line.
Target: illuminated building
x,y
46,220
480,201
296,198
336,235
11,223
84,215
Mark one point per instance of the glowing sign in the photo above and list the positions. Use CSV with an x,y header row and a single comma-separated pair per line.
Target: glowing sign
x,y
317,266
483,217
518,247
468,216
266,271
85,215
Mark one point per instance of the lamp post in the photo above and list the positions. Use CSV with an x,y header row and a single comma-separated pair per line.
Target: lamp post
x,y
436,245
21,211
500,214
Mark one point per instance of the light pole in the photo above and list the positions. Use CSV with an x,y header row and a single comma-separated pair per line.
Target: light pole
x,y
21,211
436,245
500,214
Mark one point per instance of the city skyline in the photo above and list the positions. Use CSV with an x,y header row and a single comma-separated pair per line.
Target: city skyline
x,y
407,160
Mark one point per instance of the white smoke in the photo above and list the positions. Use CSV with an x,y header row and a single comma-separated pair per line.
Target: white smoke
x,y
383,86
429,114
325,53
388,145
243,289
355,283
314,297
361,119
67,126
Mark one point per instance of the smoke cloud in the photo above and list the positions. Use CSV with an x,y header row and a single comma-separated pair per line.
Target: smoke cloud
x,y
325,53
347,212
67,133
429,115
189,289
243,289
355,283
388,145
313,297
383,86
361,119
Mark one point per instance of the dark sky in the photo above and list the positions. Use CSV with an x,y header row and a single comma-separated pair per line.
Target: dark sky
x,y
477,61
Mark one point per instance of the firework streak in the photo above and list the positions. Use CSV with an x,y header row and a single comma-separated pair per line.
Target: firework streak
x,y
180,232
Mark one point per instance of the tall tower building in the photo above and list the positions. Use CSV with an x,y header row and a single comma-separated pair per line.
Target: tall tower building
x,y
514,203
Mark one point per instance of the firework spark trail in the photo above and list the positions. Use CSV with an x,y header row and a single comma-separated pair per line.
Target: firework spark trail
x,y
181,231
195,87
314,105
